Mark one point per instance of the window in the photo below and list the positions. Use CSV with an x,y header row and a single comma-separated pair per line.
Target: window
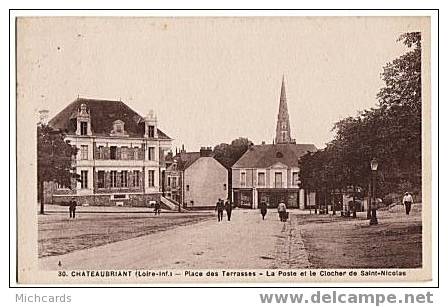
x,y
243,179
188,187
113,152
101,180
101,151
118,127
151,130
83,179
136,179
124,153
284,135
169,181
283,125
124,179
83,128
261,179
278,180
225,187
174,182
113,179
151,153
135,153
84,152
295,178
151,178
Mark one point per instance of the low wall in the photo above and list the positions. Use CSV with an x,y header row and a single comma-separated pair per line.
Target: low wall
x,y
134,200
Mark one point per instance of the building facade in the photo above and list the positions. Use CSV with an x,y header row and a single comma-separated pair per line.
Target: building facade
x,y
196,180
270,172
120,158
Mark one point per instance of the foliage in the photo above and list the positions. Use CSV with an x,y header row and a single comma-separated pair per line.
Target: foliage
x,y
228,154
54,158
390,132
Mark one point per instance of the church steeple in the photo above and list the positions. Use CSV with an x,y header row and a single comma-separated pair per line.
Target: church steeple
x,y
283,131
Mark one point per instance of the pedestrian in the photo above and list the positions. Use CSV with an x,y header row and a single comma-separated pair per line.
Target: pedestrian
x,y
407,202
263,209
220,209
72,207
282,211
229,207
156,208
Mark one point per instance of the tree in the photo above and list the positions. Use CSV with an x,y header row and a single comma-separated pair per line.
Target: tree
x,y
391,132
228,154
401,102
54,160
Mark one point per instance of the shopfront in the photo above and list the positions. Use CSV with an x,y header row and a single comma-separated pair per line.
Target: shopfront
x,y
275,196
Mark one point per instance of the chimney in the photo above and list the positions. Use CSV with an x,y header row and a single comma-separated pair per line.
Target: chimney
x,y
263,143
205,152
43,117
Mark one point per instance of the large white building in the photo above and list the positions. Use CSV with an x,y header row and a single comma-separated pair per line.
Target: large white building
x,y
120,159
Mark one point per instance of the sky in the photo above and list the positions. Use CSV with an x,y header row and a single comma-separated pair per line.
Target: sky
x,y
211,80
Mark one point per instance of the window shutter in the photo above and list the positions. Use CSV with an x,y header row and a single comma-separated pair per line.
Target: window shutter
x,y
118,153
107,180
106,151
95,180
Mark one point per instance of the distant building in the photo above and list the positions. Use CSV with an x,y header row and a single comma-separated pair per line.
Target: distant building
x,y
270,172
196,179
120,159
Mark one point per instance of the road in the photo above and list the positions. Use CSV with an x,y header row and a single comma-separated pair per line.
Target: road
x,y
245,242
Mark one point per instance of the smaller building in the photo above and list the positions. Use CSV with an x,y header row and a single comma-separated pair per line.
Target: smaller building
x,y
196,180
271,173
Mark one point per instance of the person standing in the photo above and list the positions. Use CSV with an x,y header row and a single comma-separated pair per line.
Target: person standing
x,y
220,209
407,202
72,207
282,211
157,208
263,209
229,208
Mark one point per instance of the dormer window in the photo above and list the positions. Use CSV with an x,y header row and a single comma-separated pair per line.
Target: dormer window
x,y
118,128
83,121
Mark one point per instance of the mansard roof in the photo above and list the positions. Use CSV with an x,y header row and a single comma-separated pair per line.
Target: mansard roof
x,y
264,156
103,113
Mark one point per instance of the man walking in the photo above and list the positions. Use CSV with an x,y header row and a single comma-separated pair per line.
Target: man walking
x,y
229,208
407,202
72,207
220,209
263,209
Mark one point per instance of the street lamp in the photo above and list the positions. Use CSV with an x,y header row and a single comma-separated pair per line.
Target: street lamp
x,y
374,168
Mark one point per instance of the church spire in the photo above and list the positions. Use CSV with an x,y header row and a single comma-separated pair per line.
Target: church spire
x,y
283,131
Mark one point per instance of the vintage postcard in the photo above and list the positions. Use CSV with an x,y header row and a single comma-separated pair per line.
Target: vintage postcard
x,y
223,149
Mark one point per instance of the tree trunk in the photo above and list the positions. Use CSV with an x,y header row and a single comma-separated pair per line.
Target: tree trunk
x,y
354,201
41,193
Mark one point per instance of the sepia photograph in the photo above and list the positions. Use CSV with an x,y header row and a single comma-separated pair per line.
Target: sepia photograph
x,y
222,149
